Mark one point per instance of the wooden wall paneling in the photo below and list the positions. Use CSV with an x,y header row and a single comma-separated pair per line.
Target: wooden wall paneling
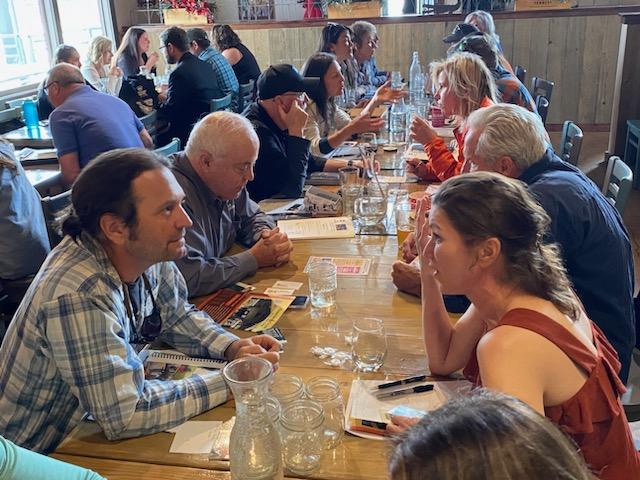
x,y
262,48
436,49
609,57
507,29
288,49
572,72
538,49
309,41
592,61
555,65
522,47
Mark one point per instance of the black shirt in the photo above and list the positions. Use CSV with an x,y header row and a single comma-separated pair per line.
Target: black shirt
x,y
247,68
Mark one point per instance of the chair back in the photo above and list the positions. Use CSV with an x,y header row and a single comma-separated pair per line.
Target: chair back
x,y
245,95
617,183
540,86
149,122
218,104
56,209
521,73
571,142
542,105
172,147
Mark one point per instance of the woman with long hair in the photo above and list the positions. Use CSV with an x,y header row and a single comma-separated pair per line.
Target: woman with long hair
x,y
525,333
133,53
240,58
327,125
336,39
98,70
463,84
514,442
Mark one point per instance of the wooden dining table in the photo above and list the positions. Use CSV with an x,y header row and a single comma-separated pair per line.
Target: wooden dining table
x,y
371,295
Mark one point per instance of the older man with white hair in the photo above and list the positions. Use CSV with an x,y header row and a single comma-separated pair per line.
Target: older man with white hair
x,y
595,245
213,171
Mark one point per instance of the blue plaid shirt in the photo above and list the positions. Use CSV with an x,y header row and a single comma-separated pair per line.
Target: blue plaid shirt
x,y
68,354
223,73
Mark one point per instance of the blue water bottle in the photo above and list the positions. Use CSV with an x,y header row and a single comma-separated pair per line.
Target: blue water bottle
x,y
30,113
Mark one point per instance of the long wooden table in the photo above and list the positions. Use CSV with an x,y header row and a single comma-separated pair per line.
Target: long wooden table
x,y
373,295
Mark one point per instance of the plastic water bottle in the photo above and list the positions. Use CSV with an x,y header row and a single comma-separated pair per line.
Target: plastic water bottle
x,y
416,80
30,113
398,121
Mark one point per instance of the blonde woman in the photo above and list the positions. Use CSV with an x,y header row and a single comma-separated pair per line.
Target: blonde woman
x,y
99,71
512,440
463,84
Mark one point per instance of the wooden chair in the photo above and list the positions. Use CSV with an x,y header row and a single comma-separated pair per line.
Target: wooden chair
x,y
521,73
542,105
172,147
218,104
56,209
617,183
245,95
540,86
571,143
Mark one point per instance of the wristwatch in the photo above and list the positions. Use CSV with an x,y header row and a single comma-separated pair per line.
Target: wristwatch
x,y
350,163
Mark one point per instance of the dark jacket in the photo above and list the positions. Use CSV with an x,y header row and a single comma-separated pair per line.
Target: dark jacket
x,y
281,167
191,87
595,247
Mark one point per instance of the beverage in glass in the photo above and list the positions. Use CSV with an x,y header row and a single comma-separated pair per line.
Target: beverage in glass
x,y
369,347
404,225
323,284
396,80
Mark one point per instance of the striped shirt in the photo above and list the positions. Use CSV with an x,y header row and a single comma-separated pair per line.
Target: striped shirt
x,y
68,354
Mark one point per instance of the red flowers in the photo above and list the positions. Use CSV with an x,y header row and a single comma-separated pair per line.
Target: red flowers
x,y
197,7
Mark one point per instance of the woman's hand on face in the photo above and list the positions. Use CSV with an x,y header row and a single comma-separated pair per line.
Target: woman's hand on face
x,y
422,131
152,59
423,235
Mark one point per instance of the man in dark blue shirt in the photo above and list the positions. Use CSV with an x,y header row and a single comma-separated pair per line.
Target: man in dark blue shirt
x,y
594,243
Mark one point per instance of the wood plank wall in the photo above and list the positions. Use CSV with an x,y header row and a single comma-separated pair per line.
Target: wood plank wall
x,y
578,53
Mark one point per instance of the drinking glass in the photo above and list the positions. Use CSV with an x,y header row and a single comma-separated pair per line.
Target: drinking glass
x,y
396,80
326,391
370,209
369,347
287,388
323,284
350,187
302,436
369,142
404,225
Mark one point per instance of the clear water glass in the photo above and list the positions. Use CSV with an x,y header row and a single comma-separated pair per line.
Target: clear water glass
x,y
323,284
369,142
369,347
350,188
396,80
302,436
326,391
404,224
286,388
370,210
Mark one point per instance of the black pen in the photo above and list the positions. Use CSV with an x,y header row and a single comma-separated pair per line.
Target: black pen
x,y
406,391
404,381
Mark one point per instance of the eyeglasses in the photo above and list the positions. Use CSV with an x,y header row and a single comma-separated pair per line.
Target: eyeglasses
x,y
151,325
298,96
46,87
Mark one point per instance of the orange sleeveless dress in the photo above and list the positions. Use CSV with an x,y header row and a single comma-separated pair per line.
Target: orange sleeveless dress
x,y
594,416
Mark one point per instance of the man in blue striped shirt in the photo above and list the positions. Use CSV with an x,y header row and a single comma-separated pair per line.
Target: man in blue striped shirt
x,y
200,46
105,291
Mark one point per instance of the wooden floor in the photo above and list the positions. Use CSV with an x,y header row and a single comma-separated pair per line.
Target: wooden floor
x,y
591,162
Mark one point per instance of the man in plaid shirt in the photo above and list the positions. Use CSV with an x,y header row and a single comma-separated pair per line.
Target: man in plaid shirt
x,y
103,293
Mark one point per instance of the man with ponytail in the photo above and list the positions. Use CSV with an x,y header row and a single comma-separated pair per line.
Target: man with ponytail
x,y
107,290
594,244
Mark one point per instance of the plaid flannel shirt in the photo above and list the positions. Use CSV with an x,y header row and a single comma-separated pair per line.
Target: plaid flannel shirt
x,y
223,72
512,90
67,353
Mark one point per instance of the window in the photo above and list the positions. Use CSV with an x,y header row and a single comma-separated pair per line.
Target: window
x,y
29,34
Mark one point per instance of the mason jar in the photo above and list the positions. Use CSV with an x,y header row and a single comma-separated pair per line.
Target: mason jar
x,y
302,436
326,391
287,388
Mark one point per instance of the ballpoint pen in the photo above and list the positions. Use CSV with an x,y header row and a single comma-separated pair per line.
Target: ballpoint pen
x,y
406,391
403,381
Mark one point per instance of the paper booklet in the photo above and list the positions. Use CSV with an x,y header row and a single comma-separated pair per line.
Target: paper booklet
x,y
367,416
318,228
174,365
253,312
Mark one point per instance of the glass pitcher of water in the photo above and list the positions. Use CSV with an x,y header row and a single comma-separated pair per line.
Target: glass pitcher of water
x,y
254,446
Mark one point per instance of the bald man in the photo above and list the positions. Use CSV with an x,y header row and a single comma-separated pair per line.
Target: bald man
x,y
213,171
86,123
